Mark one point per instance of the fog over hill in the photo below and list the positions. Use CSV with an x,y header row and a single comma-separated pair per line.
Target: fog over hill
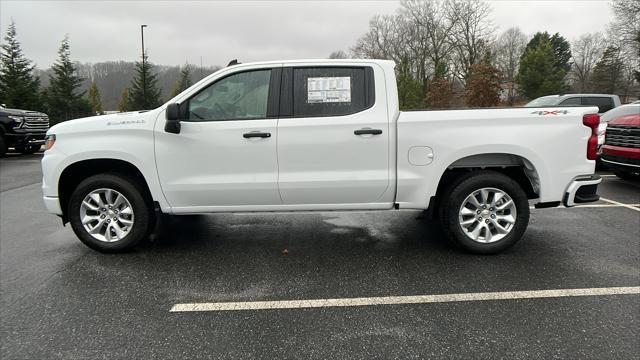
x,y
113,76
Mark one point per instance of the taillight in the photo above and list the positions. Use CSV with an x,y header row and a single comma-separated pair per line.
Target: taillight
x,y
592,121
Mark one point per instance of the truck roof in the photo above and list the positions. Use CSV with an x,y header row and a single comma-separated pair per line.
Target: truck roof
x,y
320,61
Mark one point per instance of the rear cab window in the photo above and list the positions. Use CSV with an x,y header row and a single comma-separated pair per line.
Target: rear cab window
x,y
604,104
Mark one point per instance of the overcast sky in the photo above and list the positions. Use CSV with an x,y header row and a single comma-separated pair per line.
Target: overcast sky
x,y
219,31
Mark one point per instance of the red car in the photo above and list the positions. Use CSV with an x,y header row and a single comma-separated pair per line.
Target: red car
x,y
621,149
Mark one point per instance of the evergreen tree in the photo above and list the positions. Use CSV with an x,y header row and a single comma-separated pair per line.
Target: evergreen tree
x,y
19,87
608,73
409,89
184,82
94,98
144,93
123,105
537,75
560,46
64,99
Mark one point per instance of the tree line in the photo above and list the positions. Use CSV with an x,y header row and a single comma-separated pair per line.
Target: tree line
x,y
447,53
71,90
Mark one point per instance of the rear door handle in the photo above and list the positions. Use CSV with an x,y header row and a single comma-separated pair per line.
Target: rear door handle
x,y
368,132
256,134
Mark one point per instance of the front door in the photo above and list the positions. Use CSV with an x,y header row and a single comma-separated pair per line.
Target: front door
x,y
225,154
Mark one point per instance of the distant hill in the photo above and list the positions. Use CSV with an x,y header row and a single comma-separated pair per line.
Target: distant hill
x,y
113,76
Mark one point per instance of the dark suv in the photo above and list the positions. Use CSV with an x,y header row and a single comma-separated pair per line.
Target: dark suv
x,y
22,130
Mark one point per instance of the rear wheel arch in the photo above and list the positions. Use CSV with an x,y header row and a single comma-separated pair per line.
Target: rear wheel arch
x,y
516,167
76,172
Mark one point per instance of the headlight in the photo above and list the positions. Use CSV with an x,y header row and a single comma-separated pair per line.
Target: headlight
x,y
49,140
19,120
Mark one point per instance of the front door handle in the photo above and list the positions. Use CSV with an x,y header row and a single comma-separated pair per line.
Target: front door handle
x,y
256,134
368,132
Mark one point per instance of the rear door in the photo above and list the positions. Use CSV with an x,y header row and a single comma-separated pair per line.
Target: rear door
x,y
333,137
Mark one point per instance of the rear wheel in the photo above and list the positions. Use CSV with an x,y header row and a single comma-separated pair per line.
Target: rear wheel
x,y
484,212
109,213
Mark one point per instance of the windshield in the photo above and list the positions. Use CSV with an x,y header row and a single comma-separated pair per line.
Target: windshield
x,y
544,101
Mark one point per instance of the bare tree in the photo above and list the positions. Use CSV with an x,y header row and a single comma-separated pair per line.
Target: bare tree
x,y
472,33
624,32
626,25
508,49
586,51
431,24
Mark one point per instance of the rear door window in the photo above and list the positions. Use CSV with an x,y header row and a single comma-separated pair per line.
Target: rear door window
x,y
330,91
604,104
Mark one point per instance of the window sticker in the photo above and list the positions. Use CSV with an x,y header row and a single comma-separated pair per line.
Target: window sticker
x,y
328,89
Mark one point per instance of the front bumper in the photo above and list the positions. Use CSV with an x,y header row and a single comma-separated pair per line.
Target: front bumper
x,y
25,138
582,190
52,204
624,163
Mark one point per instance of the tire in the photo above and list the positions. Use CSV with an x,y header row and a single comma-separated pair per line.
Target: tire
x,y
113,241
626,175
3,146
28,150
493,185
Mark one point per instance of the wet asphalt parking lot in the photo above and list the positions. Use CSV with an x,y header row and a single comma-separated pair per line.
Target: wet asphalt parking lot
x,y
63,300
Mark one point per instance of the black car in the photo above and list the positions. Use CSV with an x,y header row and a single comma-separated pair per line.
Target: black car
x,y
22,130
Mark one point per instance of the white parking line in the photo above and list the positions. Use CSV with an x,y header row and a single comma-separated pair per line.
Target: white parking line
x,y
397,300
628,206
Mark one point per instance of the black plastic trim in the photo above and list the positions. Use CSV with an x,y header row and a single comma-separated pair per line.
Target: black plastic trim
x,y
273,101
286,93
545,205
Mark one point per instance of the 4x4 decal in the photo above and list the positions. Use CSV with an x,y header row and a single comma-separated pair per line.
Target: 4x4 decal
x,y
554,112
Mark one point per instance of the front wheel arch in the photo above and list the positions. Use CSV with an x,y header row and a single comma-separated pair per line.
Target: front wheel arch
x,y
76,172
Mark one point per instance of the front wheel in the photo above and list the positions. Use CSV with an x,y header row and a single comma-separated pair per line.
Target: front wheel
x,y
109,213
485,212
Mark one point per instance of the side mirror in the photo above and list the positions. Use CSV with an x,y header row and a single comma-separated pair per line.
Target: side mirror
x,y
172,125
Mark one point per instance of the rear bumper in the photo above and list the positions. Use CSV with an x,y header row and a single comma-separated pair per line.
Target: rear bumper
x,y
582,189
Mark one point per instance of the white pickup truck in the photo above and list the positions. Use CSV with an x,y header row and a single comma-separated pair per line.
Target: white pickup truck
x,y
317,135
